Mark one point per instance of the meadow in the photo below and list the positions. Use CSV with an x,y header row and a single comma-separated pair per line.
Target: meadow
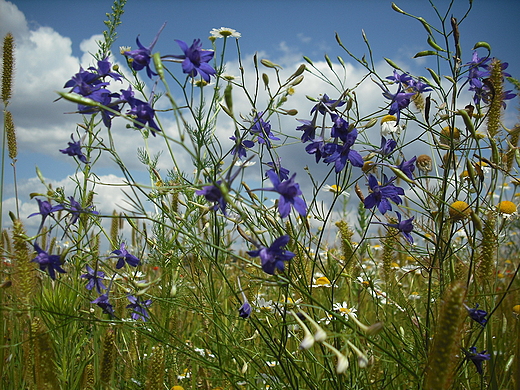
x,y
230,270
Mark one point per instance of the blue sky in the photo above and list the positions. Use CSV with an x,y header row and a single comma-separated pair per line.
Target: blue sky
x,y
54,37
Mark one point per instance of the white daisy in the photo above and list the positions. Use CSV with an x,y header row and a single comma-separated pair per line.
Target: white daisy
x,y
224,32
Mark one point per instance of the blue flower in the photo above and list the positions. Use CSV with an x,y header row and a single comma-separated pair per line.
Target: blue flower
x,y
138,307
213,193
74,149
141,112
76,209
245,310
382,194
123,255
308,128
327,105
240,147
141,57
103,303
407,167
262,129
274,256
399,101
95,279
195,60
289,194
477,314
339,154
46,209
405,227
283,173
51,263
316,147
387,146
477,358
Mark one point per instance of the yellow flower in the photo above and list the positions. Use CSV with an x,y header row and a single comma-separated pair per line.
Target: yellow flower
x,y
459,210
516,310
507,208
447,133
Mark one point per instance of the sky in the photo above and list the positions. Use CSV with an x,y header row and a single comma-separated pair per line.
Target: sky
x,y
54,38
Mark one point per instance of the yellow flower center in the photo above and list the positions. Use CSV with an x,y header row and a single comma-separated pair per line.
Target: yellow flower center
x,y
334,188
506,207
344,310
448,133
322,281
516,309
459,210
388,118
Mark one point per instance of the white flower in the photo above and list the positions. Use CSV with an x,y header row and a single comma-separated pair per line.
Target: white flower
x,y
344,310
224,32
335,190
389,126
263,305
322,281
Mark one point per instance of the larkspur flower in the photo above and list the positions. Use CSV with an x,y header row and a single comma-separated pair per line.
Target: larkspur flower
x,y
240,147
405,227
340,154
195,59
103,303
382,193
141,112
387,146
308,128
283,173
399,101
289,192
95,279
74,149
138,308
407,167
50,263
477,314
316,147
224,32
262,129
140,58
76,209
245,310
477,358
213,193
123,256
273,257
46,209
327,105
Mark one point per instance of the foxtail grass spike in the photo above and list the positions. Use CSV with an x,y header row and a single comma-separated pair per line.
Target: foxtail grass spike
x,y
488,248
24,279
8,68
514,136
496,79
346,233
443,355
109,357
89,379
44,359
11,135
114,230
155,373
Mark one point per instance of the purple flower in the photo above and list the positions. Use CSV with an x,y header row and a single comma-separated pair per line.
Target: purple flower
x,y
387,146
477,314
404,227
382,194
339,154
289,194
308,128
76,210
316,147
46,209
477,358
399,101
51,263
340,129
95,279
195,59
103,70
141,56
138,307
240,147
103,303
327,105
405,79
141,112
274,256
74,149
245,310
283,173
213,193
262,129
123,255
407,167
